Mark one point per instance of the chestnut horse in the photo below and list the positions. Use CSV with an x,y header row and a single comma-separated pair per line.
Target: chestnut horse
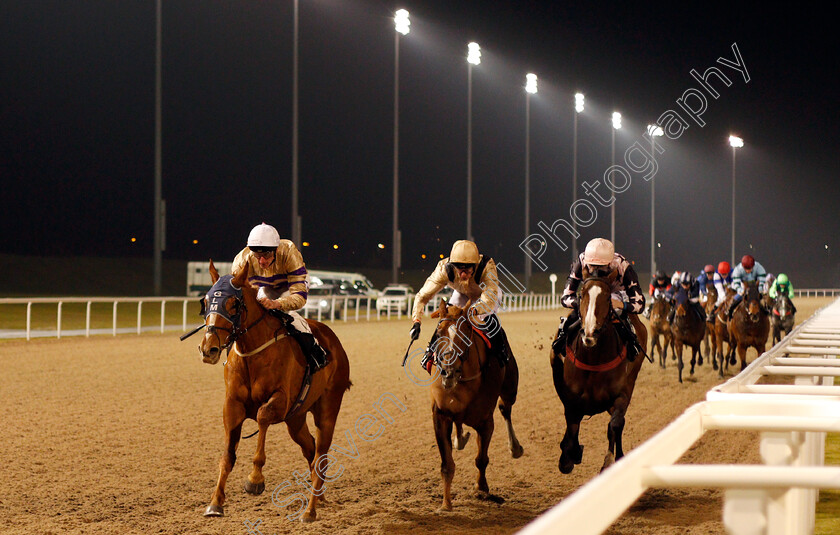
x,y
750,323
688,329
594,375
783,316
722,334
659,326
267,379
709,308
465,392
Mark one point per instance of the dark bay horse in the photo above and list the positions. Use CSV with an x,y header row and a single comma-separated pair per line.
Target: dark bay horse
x,y
688,329
267,380
594,375
750,323
709,308
470,383
659,326
783,316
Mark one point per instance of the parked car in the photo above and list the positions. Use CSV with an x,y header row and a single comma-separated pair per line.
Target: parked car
x,y
394,298
320,298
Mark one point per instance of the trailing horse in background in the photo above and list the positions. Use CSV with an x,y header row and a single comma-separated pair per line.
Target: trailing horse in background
x,y
659,326
750,323
593,375
782,318
709,340
688,329
267,379
722,334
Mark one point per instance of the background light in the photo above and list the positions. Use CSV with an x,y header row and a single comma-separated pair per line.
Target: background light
x,y
736,142
401,22
616,120
306,244
654,130
381,245
474,53
531,82
579,102
335,246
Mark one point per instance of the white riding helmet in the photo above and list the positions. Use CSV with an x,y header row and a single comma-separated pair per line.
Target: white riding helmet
x,y
263,236
464,252
599,252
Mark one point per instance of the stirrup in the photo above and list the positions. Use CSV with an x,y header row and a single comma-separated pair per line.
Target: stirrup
x,y
428,360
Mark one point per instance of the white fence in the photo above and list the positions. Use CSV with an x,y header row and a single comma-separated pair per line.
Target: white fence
x,y
776,498
343,308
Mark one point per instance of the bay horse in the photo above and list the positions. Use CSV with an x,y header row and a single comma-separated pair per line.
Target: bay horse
x,y
267,380
709,307
783,316
750,323
659,326
469,384
688,329
594,375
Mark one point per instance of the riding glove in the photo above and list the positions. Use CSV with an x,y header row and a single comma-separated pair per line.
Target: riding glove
x,y
415,330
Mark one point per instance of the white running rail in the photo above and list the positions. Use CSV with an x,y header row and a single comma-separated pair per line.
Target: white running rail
x,y
775,498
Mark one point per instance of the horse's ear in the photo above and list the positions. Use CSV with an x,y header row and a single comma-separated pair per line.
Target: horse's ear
x,y
584,273
214,273
240,279
612,276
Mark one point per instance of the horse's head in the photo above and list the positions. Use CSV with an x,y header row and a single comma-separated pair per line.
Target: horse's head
x,y
753,301
453,342
222,308
681,301
660,308
782,306
595,307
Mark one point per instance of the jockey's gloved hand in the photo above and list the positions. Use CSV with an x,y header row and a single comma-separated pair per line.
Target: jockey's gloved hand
x,y
415,330
266,301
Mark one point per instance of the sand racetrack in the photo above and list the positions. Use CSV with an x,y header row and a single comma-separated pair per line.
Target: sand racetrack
x,y
123,435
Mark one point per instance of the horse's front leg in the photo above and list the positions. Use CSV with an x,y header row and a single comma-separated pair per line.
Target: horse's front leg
x,y
234,415
571,450
615,429
678,352
271,412
694,353
443,436
742,354
482,459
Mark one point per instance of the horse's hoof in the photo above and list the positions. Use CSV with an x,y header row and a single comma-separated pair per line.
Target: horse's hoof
x,y
517,451
254,488
565,465
308,518
486,496
214,510
445,508
700,361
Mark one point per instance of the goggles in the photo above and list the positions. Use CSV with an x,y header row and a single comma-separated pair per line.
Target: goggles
x,y
463,266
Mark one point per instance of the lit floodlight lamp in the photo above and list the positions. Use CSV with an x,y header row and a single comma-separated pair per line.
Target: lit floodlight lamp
x,y
736,142
616,120
654,130
531,82
401,22
579,102
474,53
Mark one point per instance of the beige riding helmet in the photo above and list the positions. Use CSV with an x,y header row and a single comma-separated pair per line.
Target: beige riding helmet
x,y
599,252
464,252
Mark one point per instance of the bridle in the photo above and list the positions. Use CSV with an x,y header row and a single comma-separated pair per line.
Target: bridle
x,y
217,297
610,312
460,355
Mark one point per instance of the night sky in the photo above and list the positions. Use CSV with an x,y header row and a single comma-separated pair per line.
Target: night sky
x,y
77,128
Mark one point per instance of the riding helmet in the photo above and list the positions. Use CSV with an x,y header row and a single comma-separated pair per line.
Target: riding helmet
x,y
599,252
782,279
263,237
685,278
748,261
724,267
709,268
464,252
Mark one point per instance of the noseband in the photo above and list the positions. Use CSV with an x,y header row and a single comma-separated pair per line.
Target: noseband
x,y
217,297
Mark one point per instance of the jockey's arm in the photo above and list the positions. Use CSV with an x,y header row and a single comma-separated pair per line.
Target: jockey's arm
x,y
569,299
434,283
289,261
790,290
490,298
635,298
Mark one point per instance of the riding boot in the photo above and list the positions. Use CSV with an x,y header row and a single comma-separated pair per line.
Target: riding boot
x,y
625,332
314,353
428,359
671,314
567,326
498,341
647,309
735,302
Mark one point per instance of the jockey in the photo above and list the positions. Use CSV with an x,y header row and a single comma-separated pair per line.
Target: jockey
x,y
782,286
768,281
473,279
706,276
747,271
659,284
601,259
276,268
692,288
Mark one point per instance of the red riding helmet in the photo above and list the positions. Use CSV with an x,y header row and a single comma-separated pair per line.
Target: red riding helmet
x,y
709,268
724,267
748,262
